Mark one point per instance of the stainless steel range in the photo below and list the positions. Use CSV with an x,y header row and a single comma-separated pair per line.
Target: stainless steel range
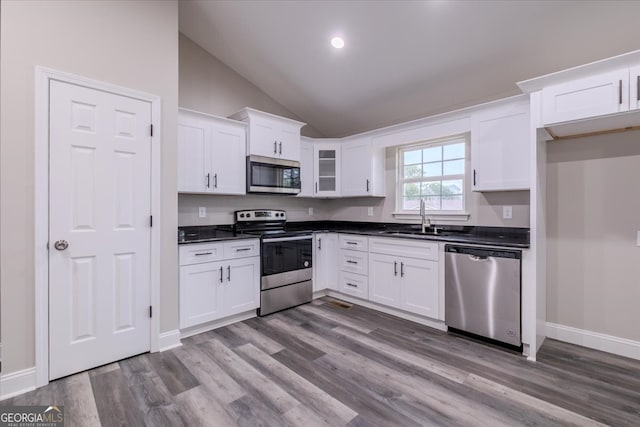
x,y
285,257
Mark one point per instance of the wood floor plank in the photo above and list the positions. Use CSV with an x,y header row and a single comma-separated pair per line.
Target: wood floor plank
x,y
271,395
115,403
150,393
289,342
176,377
198,408
254,337
79,403
331,410
222,387
340,320
250,412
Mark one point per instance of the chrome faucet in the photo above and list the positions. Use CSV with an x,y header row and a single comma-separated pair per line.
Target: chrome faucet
x,y
426,222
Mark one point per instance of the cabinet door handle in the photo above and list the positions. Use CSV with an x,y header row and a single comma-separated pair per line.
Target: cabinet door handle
x,y
280,149
638,89
474,177
275,147
228,273
395,268
316,187
402,269
208,176
367,186
204,253
319,244
215,180
620,91
351,284
352,262
220,274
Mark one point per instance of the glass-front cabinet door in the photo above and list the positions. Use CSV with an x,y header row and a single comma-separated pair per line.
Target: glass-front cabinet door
x,y
327,170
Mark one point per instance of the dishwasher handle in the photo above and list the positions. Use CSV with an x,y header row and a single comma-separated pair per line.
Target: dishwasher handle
x,y
482,253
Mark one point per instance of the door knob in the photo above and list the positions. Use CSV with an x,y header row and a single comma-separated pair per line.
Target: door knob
x,y
61,245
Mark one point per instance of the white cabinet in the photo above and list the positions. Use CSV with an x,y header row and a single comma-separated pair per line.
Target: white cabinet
x,y
306,168
271,135
634,88
362,171
500,148
592,96
218,280
326,169
211,154
353,262
409,283
325,273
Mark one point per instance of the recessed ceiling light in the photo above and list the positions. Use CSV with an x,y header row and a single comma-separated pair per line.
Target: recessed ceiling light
x,y
337,42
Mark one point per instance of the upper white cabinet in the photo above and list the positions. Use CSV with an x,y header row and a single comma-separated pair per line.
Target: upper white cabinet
x,y
326,169
306,167
500,147
271,135
362,172
211,154
591,96
634,88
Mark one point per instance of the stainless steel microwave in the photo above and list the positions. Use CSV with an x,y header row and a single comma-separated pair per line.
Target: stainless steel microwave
x,y
271,175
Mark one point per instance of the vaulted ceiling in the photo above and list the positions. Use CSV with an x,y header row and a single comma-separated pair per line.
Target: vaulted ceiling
x,y
402,59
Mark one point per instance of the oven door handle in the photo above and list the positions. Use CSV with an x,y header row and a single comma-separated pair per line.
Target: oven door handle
x,y
287,239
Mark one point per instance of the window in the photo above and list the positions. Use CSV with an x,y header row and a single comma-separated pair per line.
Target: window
x,y
434,172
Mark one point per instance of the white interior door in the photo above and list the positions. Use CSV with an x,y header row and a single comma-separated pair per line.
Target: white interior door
x,y
99,205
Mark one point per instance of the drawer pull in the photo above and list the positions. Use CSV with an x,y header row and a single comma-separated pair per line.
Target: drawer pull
x,y
352,262
351,243
204,253
243,249
351,284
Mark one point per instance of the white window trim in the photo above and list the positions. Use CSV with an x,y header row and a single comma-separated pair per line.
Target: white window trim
x,y
440,215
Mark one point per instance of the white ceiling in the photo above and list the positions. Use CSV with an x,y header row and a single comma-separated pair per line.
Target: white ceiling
x,y
403,59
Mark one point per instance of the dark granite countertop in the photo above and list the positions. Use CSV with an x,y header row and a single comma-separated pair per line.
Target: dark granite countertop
x,y
514,237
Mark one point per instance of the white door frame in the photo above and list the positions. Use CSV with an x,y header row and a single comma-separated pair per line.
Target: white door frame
x,y
41,190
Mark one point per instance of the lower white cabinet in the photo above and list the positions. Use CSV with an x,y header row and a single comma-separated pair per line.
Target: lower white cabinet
x,y
212,290
407,283
354,284
325,259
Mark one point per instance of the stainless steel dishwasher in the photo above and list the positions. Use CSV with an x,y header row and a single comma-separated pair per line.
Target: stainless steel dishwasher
x,y
482,292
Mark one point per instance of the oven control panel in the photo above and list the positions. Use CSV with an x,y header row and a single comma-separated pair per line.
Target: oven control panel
x,y
260,215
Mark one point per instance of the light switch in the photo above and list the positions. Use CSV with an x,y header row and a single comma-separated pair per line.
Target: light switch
x,y
507,212
370,211
310,211
202,212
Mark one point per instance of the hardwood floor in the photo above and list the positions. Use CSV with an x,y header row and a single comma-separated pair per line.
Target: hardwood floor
x,y
329,364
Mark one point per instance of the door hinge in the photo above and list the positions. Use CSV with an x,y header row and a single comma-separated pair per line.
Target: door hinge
x,y
150,311
151,129
150,220
47,245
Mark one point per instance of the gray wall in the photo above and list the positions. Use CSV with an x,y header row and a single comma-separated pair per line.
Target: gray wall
x,y
593,214
210,86
128,43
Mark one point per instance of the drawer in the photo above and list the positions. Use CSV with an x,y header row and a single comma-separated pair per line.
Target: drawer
x,y
354,261
197,253
241,248
409,248
354,242
354,284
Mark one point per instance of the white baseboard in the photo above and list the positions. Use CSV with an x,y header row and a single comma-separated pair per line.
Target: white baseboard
x,y
17,383
426,321
215,324
169,340
595,340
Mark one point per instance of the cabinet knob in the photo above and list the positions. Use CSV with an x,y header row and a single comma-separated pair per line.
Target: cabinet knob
x,y
61,245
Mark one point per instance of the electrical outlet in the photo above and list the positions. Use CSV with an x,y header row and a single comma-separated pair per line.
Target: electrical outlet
x,y
507,212
310,211
370,211
202,212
